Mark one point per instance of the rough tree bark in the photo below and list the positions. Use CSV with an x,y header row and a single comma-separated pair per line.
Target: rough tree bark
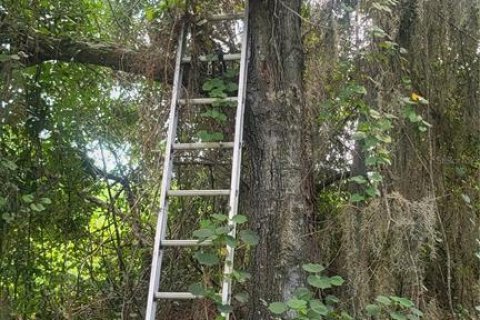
x,y
33,48
278,153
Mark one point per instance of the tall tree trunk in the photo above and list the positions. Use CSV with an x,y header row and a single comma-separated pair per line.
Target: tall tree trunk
x,y
280,196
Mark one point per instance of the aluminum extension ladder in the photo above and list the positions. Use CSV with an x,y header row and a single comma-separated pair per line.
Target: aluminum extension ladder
x,y
161,243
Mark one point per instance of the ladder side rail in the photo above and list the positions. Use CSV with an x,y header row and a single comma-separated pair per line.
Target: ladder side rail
x,y
236,167
167,172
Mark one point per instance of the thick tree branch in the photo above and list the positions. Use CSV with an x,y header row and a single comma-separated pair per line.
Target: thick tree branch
x,y
35,48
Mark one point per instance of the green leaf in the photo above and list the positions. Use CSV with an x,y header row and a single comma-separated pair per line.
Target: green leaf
x,y
373,310
37,207
210,136
220,217
46,201
297,304
404,302
249,237
384,300
217,93
222,230
303,293
318,307
319,282
359,179
374,114
336,281
359,89
331,299
28,198
197,289
3,202
345,316
230,241
395,315
356,197
206,258
277,307
372,192
375,176
231,87
214,114
241,276
150,14
203,233
359,135
239,219
313,267
419,313
10,165
466,198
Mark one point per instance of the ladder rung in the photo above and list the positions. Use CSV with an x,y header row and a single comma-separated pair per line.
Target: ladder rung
x,y
202,145
185,243
193,193
199,101
175,295
226,57
227,16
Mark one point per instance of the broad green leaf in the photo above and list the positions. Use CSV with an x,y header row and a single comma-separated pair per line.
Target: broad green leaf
x,y
277,307
303,293
10,165
319,282
230,241
297,304
249,237
3,202
28,198
372,191
239,219
37,207
318,307
419,313
404,302
395,315
231,87
46,201
197,289
466,198
373,310
384,300
220,217
359,179
356,197
375,114
203,233
313,268
222,230
331,299
206,258
359,135
336,281
241,276
375,176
